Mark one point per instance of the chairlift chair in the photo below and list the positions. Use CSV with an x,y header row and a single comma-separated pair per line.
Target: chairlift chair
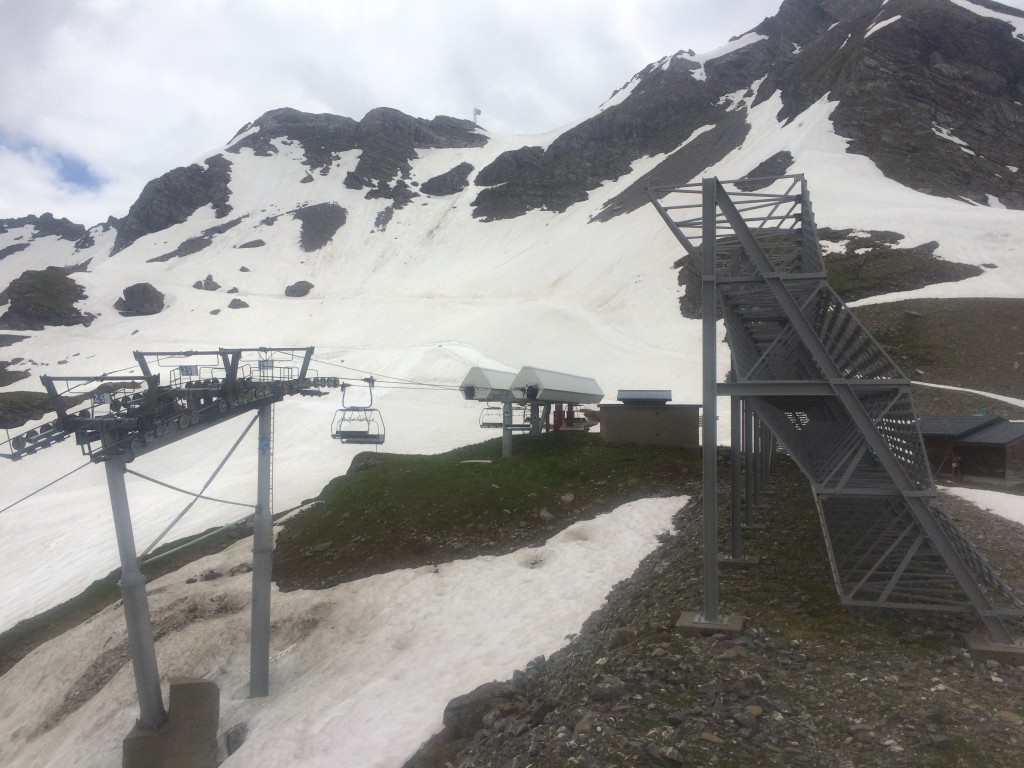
x,y
491,417
358,424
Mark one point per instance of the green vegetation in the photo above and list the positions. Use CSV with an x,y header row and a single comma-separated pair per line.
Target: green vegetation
x,y
392,511
403,511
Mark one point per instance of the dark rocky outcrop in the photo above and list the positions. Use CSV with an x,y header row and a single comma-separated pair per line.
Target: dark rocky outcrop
x,y
449,182
140,299
870,264
12,249
383,218
704,150
253,244
910,92
386,138
935,99
389,140
320,222
46,225
322,136
301,288
207,284
237,304
41,298
199,242
173,197
761,176
664,108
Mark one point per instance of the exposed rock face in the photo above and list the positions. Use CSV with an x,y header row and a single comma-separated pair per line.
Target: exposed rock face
x,y
237,304
198,243
208,284
938,110
386,138
776,165
12,249
301,288
46,225
450,182
665,107
859,265
322,137
140,299
389,140
253,244
175,196
320,222
44,297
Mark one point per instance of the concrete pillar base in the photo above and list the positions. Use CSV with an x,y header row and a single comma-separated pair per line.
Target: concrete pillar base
x,y
189,737
694,624
982,649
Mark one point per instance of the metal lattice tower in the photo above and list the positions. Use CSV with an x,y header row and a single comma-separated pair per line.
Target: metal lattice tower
x,y
832,397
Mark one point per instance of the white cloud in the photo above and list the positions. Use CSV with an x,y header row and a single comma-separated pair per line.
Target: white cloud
x,y
133,88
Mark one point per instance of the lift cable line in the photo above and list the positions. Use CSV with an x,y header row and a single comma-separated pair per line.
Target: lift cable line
x,y
198,496
385,378
43,488
832,397
130,415
184,490
192,542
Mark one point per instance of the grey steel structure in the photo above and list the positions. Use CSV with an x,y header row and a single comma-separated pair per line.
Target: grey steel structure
x,y
128,416
806,368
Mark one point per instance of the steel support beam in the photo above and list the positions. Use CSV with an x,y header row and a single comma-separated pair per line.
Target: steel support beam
x,y
710,392
262,559
136,605
735,452
748,463
506,430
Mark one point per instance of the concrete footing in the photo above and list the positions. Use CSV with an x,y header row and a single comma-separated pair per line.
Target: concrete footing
x,y
982,649
694,624
189,737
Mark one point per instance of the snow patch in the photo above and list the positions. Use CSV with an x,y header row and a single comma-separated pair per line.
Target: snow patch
x,y
734,45
880,25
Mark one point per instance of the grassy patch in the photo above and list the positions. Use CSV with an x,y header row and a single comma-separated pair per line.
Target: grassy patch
x,y
973,343
403,511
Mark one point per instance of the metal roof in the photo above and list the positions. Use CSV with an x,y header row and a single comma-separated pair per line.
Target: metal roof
x,y
645,396
488,384
1006,433
542,385
955,427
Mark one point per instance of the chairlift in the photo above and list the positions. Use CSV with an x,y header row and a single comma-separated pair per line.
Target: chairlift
x,y
358,424
491,417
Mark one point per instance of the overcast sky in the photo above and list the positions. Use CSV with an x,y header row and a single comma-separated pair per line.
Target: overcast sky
x,y
99,96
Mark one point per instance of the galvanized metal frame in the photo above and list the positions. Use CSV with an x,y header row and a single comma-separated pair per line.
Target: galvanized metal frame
x,y
813,375
154,421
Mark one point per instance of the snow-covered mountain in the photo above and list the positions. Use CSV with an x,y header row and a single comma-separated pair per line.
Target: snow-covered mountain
x,y
430,246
